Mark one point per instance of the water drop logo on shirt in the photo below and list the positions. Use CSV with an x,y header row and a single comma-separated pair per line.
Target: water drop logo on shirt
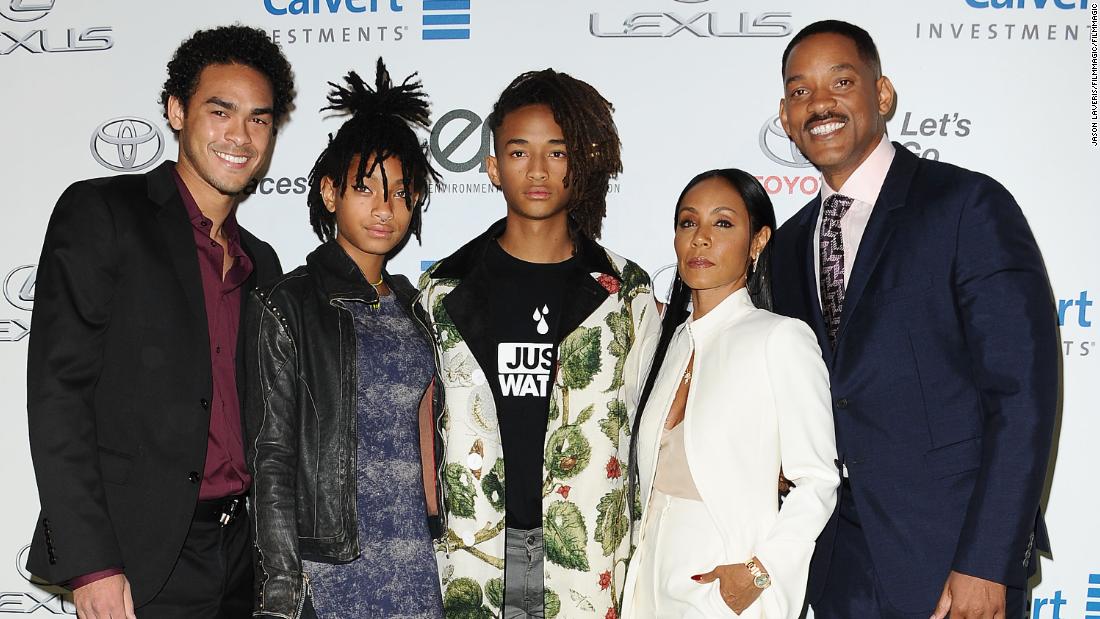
x,y
524,369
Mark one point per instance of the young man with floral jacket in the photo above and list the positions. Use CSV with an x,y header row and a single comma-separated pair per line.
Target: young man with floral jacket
x,y
538,333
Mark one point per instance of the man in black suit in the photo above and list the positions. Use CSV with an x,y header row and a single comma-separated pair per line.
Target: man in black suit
x,y
134,414
933,310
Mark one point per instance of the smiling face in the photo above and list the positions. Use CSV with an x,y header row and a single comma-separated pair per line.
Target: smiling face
x,y
225,131
714,241
369,223
531,163
834,107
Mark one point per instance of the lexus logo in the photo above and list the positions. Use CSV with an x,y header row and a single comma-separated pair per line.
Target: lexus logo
x,y
19,286
25,10
21,562
778,147
127,144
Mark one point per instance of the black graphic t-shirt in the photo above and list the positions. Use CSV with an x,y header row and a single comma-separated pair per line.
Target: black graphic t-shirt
x,y
525,307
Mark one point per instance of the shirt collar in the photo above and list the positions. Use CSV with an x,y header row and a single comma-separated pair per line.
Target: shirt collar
x,y
202,222
865,183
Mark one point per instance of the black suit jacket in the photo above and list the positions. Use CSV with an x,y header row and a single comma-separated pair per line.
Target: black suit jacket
x,y
945,378
119,379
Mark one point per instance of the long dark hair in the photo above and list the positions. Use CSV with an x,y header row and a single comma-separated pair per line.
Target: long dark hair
x,y
761,215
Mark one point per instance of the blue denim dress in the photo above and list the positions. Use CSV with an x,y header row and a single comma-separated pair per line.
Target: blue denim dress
x,y
395,577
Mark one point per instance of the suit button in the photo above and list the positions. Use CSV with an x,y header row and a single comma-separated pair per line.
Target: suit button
x,y
204,403
193,477
842,403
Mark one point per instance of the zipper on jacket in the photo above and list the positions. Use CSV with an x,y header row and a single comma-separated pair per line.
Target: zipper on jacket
x,y
302,600
439,435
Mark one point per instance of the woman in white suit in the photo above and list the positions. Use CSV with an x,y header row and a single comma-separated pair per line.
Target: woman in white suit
x,y
736,398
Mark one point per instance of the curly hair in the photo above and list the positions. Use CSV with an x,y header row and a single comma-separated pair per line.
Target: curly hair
x,y
382,125
590,137
234,44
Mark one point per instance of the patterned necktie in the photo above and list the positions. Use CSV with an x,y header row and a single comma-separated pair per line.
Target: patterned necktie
x,y
831,252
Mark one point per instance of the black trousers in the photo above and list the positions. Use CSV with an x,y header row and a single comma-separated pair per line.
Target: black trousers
x,y
212,578
852,589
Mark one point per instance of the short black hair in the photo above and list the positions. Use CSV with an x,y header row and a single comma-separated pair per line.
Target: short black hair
x,y
865,45
761,215
382,125
591,138
225,45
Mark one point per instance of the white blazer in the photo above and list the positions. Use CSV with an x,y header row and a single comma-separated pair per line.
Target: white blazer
x,y
759,400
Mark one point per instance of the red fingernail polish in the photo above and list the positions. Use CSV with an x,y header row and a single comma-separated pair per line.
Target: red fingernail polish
x,y
697,577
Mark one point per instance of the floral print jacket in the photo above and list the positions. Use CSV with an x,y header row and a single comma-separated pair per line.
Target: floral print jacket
x,y
595,389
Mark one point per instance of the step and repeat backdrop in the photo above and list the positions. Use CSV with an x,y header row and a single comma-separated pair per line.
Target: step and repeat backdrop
x,y
1008,87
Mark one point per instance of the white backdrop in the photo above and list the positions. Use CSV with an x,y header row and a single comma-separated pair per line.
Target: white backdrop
x,y
1007,87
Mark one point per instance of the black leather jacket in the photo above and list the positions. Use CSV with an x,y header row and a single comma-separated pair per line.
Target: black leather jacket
x,y
300,412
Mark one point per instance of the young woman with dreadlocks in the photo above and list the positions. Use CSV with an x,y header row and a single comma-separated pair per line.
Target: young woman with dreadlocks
x,y
735,395
536,327
340,383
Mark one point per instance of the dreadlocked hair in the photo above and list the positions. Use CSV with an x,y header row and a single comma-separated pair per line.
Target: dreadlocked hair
x,y
591,138
383,124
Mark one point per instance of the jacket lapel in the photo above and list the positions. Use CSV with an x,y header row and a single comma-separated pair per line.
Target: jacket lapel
x,y
805,255
465,304
879,229
585,294
178,238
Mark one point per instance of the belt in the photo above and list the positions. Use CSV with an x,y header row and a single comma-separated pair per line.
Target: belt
x,y
223,511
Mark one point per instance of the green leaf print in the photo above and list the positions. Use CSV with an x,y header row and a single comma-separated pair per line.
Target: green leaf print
x,y
635,282
555,410
579,354
585,415
551,604
494,592
567,452
615,422
611,523
463,600
445,327
460,490
564,536
493,486
622,339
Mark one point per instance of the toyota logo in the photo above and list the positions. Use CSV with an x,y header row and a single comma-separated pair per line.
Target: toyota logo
x,y
19,286
778,147
25,10
127,144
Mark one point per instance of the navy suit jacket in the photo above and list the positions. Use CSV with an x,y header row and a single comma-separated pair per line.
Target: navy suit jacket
x,y
945,378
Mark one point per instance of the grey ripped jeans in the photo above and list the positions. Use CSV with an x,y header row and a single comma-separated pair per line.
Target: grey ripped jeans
x,y
523,578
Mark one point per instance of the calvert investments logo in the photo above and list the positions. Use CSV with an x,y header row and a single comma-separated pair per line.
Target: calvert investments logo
x,y
1075,317
127,144
700,23
1027,4
19,294
42,40
1015,20
446,20
356,21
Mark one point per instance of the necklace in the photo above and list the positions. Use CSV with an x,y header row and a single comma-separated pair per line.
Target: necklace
x,y
377,301
687,377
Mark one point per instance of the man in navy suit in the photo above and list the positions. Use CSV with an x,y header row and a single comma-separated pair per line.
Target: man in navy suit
x,y
933,311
